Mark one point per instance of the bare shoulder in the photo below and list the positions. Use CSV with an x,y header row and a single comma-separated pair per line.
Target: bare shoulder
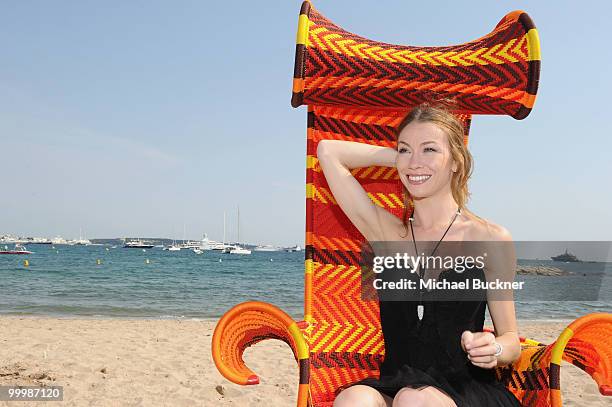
x,y
485,230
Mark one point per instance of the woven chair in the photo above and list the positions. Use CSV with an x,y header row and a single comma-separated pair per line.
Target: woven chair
x,y
358,89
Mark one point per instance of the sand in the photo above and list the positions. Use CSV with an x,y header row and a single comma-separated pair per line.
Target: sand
x,y
168,363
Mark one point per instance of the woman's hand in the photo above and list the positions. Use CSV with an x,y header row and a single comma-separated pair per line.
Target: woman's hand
x,y
481,348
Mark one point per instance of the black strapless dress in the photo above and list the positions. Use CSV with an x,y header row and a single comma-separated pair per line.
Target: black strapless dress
x,y
429,353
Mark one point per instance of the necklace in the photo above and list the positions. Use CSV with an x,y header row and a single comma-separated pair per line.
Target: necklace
x,y
421,273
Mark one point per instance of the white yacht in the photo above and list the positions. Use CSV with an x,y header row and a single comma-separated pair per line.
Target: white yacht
x,y
207,244
138,244
191,244
173,247
266,248
58,240
295,248
239,250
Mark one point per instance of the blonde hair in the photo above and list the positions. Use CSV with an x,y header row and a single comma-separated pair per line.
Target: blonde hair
x,y
439,115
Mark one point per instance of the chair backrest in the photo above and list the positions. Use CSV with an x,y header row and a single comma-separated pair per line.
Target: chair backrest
x,y
358,89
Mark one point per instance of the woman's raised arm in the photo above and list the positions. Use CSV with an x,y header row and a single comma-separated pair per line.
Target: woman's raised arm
x,y
337,158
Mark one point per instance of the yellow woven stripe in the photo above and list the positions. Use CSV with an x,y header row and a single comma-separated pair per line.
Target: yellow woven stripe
x,y
375,200
311,162
531,342
302,347
375,339
387,201
310,190
357,333
557,351
331,334
499,54
397,200
325,196
308,266
325,268
533,44
302,33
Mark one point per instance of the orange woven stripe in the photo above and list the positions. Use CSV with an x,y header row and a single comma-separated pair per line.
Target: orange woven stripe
x,y
491,91
319,135
363,116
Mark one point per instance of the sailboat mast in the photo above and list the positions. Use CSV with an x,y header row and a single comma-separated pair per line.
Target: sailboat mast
x,y
223,229
238,240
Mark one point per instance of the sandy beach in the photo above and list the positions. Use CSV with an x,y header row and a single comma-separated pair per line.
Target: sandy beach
x,y
117,362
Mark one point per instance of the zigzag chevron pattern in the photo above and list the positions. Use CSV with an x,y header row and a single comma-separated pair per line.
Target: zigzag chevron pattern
x,y
369,173
359,90
388,201
496,74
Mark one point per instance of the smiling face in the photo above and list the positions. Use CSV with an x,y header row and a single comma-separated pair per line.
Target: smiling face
x,y
424,161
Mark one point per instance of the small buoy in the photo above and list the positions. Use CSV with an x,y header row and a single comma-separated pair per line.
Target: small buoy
x,y
107,249
144,250
98,262
57,251
271,260
26,263
147,261
220,260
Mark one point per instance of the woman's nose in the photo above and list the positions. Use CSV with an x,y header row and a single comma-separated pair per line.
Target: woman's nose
x,y
415,161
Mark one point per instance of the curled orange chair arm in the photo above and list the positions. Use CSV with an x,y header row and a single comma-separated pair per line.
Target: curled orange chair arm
x,y
587,344
247,324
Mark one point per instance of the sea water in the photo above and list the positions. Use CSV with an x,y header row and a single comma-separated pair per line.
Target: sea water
x,y
67,281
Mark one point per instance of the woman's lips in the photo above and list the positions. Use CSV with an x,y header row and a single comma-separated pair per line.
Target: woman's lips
x,y
418,179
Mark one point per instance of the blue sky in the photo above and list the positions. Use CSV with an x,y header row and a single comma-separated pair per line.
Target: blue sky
x,y
136,118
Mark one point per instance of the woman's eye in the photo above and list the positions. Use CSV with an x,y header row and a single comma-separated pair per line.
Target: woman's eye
x,y
427,149
402,150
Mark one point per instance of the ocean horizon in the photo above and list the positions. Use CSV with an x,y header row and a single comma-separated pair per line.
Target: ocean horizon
x,y
67,282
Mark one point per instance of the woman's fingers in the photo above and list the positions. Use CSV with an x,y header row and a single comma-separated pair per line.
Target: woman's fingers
x,y
480,339
482,351
482,359
466,337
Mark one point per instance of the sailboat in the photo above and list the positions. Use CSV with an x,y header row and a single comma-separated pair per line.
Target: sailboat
x,y
237,249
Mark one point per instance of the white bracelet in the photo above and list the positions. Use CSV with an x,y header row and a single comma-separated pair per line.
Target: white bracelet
x,y
499,349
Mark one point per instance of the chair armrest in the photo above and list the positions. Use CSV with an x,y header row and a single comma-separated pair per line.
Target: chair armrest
x,y
587,344
247,324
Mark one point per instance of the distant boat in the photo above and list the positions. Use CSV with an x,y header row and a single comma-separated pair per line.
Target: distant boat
x,y
566,257
173,247
19,249
295,248
198,251
266,248
207,244
235,248
191,244
239,250
59,240
137,244
81,241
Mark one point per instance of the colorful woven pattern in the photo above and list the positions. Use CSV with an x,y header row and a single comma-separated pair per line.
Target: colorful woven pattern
x,y
344,333
357,89
496,74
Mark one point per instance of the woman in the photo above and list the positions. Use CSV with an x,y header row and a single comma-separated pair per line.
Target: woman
x,y
448,360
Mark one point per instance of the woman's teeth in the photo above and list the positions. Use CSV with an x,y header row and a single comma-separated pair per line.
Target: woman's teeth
x,y
418,179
